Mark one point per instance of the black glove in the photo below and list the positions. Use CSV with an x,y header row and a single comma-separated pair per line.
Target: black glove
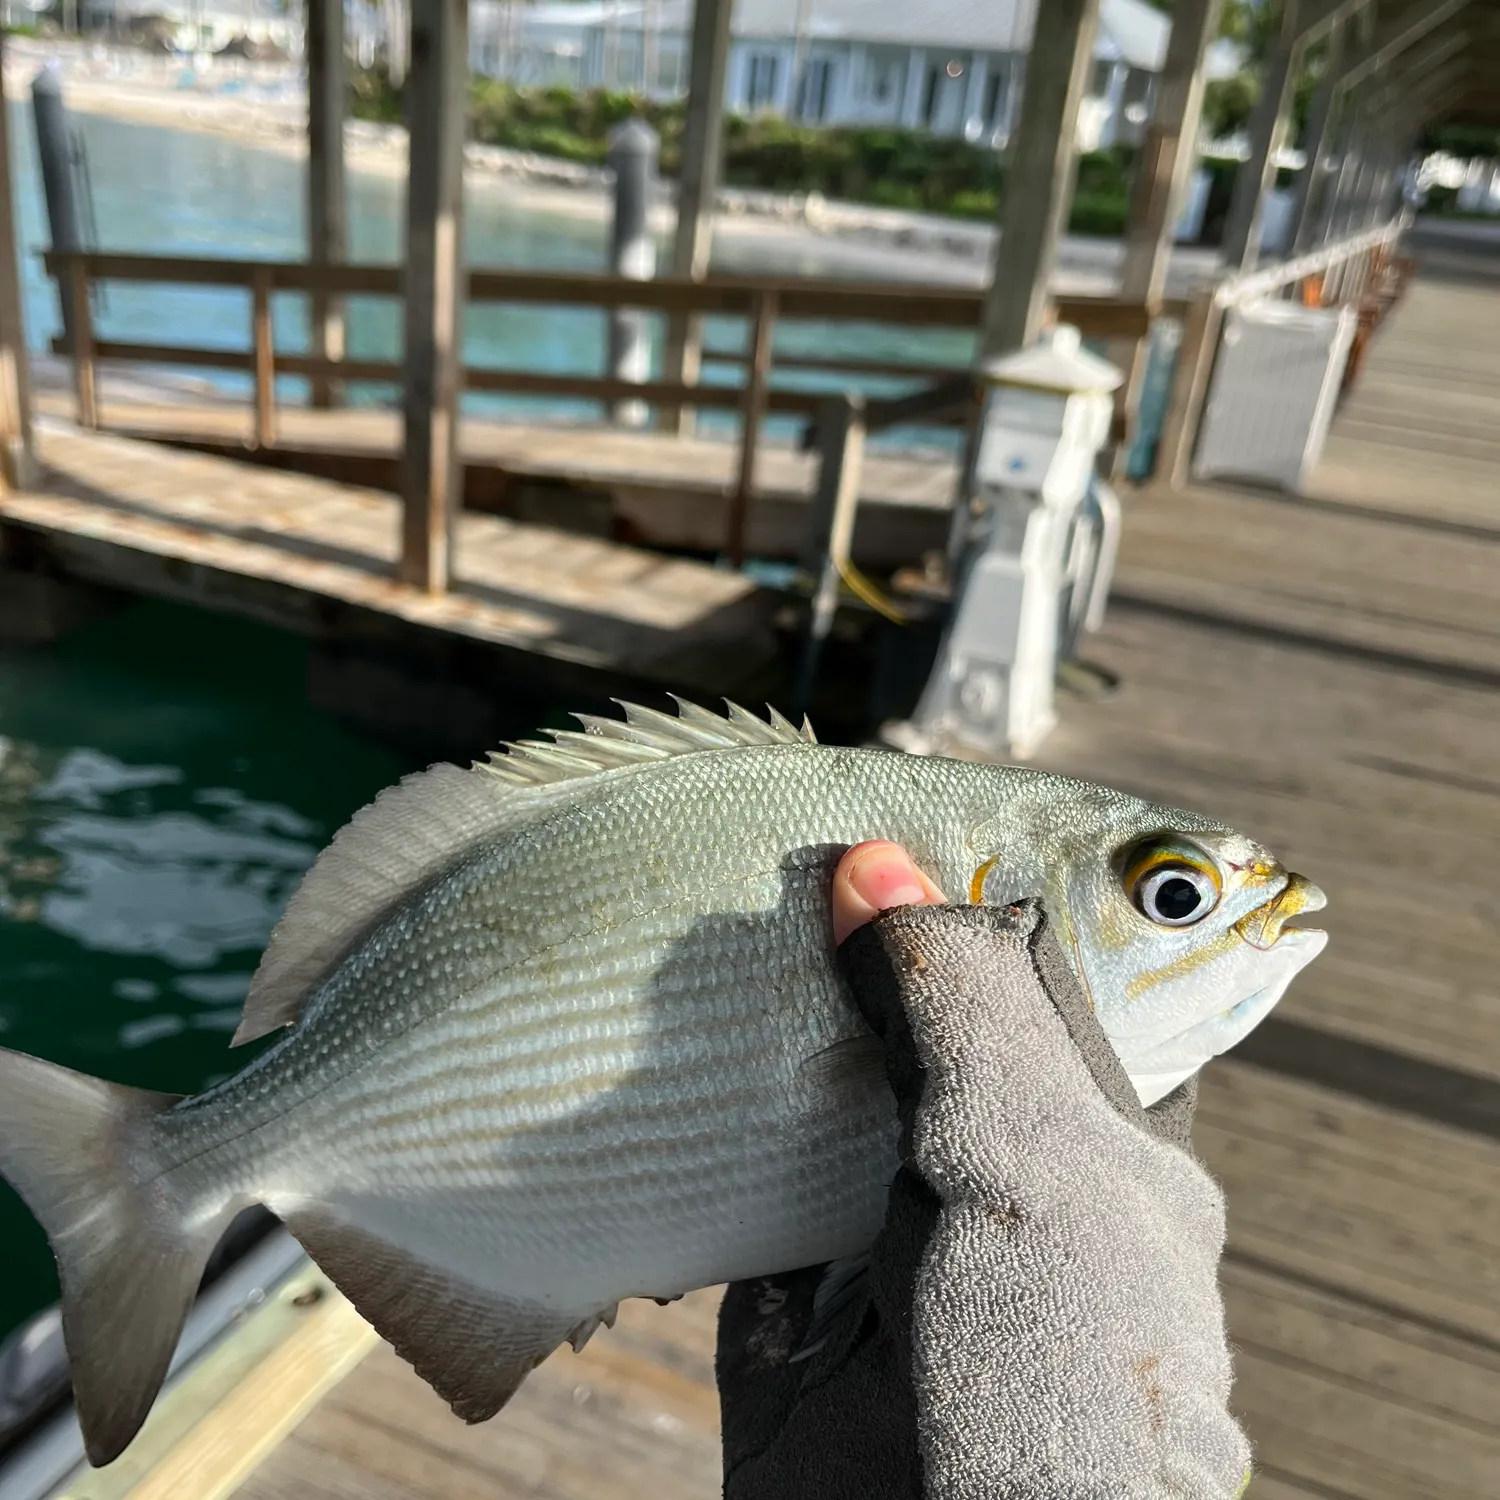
x,y
1040,1315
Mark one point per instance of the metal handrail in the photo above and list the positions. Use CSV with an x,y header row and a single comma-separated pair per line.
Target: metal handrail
x,y
1236,291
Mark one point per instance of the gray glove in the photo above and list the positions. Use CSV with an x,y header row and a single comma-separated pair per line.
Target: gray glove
x,y
1040,1316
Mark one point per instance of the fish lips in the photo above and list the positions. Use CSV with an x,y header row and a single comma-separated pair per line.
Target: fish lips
x,y
1157,1070
1264,927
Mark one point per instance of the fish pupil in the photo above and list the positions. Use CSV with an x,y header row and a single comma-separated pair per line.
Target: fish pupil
x,y
1177,899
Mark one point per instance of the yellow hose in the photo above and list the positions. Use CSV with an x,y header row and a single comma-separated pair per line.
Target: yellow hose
x,y
868,593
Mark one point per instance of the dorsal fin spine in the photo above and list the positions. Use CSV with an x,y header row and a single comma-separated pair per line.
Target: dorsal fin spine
x,y
416,830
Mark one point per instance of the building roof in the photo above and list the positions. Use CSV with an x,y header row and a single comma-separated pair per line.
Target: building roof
x,y
1130,31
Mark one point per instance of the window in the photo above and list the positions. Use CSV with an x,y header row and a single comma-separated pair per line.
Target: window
x,y
815,84
885,75
760,91
992,86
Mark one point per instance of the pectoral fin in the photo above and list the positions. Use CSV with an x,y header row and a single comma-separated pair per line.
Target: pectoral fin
x,y
853,1068
473,1348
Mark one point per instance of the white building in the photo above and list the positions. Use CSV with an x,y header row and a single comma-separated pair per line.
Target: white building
x,y
953,68
207,25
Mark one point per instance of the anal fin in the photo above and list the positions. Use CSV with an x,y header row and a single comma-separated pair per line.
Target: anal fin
x,y
583,1331
473,1348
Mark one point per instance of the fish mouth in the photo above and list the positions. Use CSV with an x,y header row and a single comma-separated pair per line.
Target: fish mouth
x,y
1264,927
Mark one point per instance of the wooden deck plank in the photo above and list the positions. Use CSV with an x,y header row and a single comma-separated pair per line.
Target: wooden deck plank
x,y
635,1414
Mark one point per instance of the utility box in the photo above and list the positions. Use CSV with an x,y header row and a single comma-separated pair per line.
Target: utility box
x,y
1273,395
1016,599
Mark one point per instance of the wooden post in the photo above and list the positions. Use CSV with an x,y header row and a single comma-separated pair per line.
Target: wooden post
x,y
1040,175
697,184
83,342
431,469
1161,177
327,208
753,413
1195,363
265,359
1255,177
1336,211
1169,152
830,538
1319,138
17,458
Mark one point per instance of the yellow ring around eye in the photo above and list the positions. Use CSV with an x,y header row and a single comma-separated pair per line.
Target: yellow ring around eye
x,y
976,885
1155,855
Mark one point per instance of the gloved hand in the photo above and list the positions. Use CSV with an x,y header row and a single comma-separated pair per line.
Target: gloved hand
x,y
1040,1316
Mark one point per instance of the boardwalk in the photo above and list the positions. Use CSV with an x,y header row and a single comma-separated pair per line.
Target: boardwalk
x,y
660,490
1326,675
291,549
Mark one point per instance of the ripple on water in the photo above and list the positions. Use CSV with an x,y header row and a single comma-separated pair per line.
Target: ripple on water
x,y
163,787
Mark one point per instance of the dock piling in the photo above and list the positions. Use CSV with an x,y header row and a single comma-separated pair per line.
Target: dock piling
x,y
634,148
54,144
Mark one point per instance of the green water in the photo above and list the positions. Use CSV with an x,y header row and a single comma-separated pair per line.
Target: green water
x,y
163,785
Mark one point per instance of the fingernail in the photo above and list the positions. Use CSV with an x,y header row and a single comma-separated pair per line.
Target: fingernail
x,y
884,882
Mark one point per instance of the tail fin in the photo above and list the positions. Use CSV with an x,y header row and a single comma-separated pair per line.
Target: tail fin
x,y
80,1152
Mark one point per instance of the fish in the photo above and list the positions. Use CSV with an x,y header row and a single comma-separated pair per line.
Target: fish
x,y
565,1027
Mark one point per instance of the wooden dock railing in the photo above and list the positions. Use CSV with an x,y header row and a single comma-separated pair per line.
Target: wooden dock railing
x,y
764,302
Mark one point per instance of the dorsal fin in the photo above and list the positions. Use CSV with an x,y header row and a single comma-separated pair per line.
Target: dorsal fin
x,y
415,830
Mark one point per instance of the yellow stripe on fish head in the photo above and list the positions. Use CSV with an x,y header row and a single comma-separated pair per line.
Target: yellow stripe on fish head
x,y
1186,963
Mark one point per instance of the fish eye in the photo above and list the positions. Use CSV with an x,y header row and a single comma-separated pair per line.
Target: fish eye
x,y
1172,887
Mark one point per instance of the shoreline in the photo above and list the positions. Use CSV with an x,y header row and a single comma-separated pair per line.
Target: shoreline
x,y
266,108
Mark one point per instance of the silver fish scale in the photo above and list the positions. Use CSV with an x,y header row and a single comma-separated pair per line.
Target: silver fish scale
x,y
579,1061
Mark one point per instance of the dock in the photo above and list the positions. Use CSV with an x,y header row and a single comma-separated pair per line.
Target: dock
x,y
649,488
1323,672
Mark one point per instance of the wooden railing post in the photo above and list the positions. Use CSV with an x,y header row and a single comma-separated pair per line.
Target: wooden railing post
x,y
830,531
265,360
1195,362
752,417
83,342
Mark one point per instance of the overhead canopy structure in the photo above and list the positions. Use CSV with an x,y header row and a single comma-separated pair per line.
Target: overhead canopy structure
x,y
1393,68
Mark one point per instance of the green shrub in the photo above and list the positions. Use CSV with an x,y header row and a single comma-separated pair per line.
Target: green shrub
x,y
1099,213
881,165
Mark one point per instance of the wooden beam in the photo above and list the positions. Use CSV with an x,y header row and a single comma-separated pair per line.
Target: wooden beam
x,y
1162,172
81,318
1394,35
327,205
1170,150
1268,124
17,459
1319,139
1394,84
697,185
433,283
752,416
1312,18
1042,168
264,348
1195,364
899,303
